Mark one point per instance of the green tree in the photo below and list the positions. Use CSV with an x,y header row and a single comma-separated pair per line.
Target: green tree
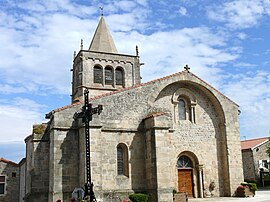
x,y
268,148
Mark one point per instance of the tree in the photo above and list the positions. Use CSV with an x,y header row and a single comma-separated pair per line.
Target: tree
x,y
268,148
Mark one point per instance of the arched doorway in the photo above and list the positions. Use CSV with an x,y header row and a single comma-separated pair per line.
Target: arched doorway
x,y
185,175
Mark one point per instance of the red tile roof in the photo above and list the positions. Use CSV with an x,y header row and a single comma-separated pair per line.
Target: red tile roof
x,y
139,85
9,162
250,144
156,114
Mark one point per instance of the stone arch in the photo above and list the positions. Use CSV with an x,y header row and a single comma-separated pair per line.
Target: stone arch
x,y
122,159
185,93
189,179
120,76
98,74
109,75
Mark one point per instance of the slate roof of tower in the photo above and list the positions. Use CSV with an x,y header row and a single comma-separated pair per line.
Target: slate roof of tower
x,y
102,40
251,144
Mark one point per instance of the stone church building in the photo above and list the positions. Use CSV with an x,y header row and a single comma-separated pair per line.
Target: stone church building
x,y
173,133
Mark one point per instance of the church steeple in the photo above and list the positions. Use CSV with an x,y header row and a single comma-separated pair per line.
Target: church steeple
x,y
101,69
102,40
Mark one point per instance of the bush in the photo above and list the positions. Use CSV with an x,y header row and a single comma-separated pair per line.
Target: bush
x,y
250,181
253,186
139,197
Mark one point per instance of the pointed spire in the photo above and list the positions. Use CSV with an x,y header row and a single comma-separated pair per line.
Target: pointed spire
x,y
102,40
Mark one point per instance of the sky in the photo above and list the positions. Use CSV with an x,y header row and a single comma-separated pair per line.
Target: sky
x,y
226,43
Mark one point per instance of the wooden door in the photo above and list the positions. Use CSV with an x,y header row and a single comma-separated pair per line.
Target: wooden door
x,y
185,181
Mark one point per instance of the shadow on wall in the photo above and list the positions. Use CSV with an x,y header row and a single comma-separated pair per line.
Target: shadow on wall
x,y
138,163
69,161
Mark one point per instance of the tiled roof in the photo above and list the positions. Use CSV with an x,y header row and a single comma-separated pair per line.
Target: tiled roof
x,y
250,144
8,161
156,114
139,85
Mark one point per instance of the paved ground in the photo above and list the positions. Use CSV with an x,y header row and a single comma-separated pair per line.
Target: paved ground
x,y
262,195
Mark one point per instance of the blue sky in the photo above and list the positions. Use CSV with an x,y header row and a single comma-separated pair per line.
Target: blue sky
x,y
226,43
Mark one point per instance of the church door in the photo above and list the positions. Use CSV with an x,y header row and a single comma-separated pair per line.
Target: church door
x,y
185,175
185,181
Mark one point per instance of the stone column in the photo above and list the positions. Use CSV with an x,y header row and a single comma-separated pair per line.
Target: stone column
x,y
200,168
192,115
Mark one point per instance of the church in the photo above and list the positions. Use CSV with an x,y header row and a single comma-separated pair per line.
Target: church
x,y
173,134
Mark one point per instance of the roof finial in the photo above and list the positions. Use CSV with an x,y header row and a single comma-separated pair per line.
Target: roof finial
x,y
101,10
187,68
137,51
81,44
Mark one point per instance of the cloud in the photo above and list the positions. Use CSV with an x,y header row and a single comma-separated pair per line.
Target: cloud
x,y
240,14
183,11
13,151
17,117
251,91
165,53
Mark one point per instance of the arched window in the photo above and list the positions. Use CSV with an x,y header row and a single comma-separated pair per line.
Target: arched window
x,y
108,76
98,74
182,109
184,162
119,76
122,160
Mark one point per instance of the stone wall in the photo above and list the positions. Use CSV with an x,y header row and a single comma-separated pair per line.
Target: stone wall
x,y
154,147
37,164
259,153
12,174
248,165
83,72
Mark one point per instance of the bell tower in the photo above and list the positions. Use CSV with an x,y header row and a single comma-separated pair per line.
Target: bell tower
x,y
101,69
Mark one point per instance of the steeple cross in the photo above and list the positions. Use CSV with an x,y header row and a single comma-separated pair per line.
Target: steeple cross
x,y
187,68
101,10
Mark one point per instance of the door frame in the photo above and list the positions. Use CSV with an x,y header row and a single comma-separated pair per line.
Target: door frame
x,y
192,179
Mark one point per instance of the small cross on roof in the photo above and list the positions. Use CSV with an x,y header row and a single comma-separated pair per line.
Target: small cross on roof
x,y
187,68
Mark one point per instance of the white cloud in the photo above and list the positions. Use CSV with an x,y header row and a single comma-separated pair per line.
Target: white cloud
x,y
239,14
183,11
168,52
251,91
17,117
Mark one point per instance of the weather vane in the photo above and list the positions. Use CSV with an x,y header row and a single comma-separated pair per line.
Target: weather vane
x,y
101,10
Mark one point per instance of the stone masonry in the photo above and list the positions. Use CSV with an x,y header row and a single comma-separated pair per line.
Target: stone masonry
x,y
145,119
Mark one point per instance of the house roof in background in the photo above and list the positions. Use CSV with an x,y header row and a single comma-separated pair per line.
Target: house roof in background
x,y
250,144
8,161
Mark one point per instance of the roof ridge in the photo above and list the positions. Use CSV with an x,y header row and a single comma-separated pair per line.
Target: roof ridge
x,y
140,85
214,88
255,139
8,161
118,91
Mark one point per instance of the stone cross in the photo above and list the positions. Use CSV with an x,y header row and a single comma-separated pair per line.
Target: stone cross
x,y
187,68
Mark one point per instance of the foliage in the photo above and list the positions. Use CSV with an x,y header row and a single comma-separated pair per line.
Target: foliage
x,y
139,197
39,128
268,148
250,181
252,186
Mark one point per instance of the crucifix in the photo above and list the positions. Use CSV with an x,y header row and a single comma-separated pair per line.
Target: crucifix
x,y
86,114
